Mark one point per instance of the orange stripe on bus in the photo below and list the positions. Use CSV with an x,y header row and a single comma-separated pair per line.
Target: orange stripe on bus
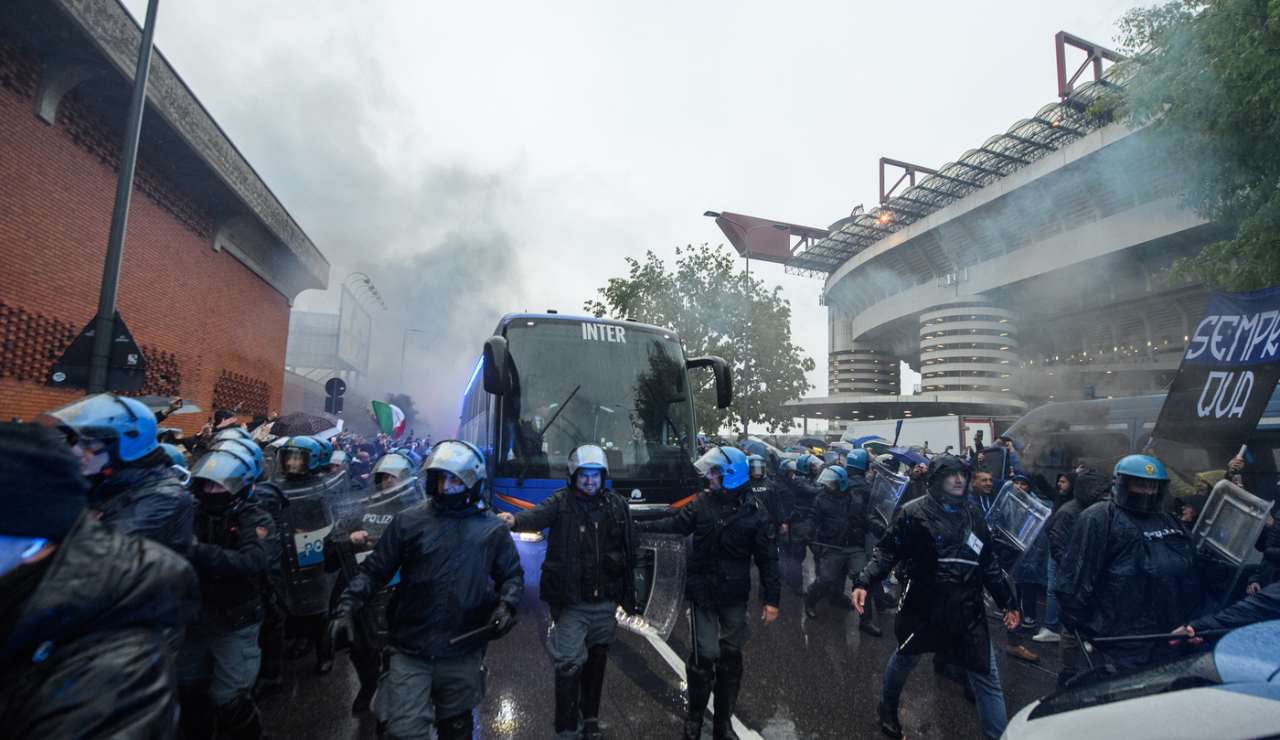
x,y
684,502
515,501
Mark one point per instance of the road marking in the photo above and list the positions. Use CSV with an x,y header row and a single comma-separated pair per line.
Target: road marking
x,y
677,665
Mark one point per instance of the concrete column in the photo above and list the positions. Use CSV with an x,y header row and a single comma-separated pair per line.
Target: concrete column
x,y
969,347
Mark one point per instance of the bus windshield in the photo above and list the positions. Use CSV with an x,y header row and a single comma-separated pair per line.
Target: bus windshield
x,y
581,382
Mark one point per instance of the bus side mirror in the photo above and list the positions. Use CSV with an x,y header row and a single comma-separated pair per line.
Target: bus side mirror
x,y
724,381
495,366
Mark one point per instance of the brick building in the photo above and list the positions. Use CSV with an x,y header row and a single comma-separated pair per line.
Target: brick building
x,y
212,260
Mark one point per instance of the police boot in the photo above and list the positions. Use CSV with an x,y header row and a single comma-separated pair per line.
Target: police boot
x,y
698,678
239,719
196,711
592,687
457,727
889,724
568,693
728,681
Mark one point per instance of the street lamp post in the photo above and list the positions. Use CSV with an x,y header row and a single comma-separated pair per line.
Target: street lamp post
x,y
746,290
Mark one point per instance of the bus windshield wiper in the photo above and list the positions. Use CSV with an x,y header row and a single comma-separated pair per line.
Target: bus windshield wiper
x,y
543,432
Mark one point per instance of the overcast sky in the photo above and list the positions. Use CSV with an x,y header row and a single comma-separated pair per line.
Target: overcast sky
x,y
478,158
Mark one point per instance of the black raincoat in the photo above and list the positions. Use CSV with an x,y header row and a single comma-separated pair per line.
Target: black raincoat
x,y
949,558
234,563
840,518
146,501
590,548
1087,489
455,566
729,532
85,650
1128,573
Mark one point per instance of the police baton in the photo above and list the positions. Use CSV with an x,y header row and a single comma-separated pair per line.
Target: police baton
x,y
1155,637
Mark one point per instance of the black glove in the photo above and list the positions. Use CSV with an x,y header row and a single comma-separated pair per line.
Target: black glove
x,y
502,619
342,629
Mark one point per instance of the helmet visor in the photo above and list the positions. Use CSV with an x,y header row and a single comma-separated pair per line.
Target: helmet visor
x,y
588,456
713,460
458,459
833,479
293,460
228,468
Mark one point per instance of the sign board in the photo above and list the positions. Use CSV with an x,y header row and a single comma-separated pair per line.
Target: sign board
x,y
1227,375
355,327
126,369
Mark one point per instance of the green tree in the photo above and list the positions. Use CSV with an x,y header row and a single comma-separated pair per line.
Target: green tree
x,y
709,302
1205,77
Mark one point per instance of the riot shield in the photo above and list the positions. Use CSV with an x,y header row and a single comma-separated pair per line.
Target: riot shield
x,y
306,521
1230,523
995,460
1017,516
886,489
659,583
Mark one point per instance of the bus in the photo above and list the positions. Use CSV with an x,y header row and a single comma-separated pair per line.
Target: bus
x,y
547,383
1057,436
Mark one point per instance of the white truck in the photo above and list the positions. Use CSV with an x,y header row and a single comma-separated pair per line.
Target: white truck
x,y
938,434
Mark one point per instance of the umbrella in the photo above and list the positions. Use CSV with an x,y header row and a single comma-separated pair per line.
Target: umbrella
x,y
908,456
301,423
812,442
757,446
860,441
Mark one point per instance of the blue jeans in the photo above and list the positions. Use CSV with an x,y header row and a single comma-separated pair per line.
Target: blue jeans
x,y
1052,618
987,692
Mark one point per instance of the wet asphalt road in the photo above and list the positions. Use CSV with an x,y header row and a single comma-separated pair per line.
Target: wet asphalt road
x,y
804,679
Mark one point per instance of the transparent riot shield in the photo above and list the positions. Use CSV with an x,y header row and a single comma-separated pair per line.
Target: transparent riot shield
x,y
659,583
1017,516
307,520
886,489
1230,523
995,460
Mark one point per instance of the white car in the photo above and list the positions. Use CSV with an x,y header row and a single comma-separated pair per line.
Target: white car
x,y
1230,693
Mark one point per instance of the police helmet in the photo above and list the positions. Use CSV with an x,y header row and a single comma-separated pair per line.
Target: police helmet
x,y
233,432
177,461
731,462
756,464
588,457
1140,467
230,465
809,465
787,467
858,460
340,457
124,425
299,456
463,461
326,451
834,477
393,469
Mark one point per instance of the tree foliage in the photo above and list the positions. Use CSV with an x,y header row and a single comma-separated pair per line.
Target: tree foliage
x,y
1205,77
709,302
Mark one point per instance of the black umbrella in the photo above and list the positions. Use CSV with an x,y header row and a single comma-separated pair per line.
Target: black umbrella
x,y
300,423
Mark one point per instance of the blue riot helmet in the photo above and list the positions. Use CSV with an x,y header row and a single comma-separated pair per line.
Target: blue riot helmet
x,y
249,447
340,462
233,432
121,430
177,461
809,465
299,456
1140,484
787,468
834,477
326,451
756,466
731,463
455,473
224,474
857,459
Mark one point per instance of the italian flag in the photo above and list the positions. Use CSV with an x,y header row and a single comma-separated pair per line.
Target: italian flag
x,y
390,418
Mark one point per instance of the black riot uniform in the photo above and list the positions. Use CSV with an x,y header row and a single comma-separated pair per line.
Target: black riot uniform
x,y
731,529
460,583
840,540
1130,568
586,575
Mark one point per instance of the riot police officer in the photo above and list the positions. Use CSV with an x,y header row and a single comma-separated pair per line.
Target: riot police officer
x,y
586,576
453,547
946,547
840,535
134,489
219,660
772,494
300,463
1129,566
731,529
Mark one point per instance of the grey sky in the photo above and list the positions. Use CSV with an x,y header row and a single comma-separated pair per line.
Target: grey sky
x,y
557,138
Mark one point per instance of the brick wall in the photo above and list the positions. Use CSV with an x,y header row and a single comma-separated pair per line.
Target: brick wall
x,y
210,321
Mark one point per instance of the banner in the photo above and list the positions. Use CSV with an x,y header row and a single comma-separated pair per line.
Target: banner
x,y
1226,378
